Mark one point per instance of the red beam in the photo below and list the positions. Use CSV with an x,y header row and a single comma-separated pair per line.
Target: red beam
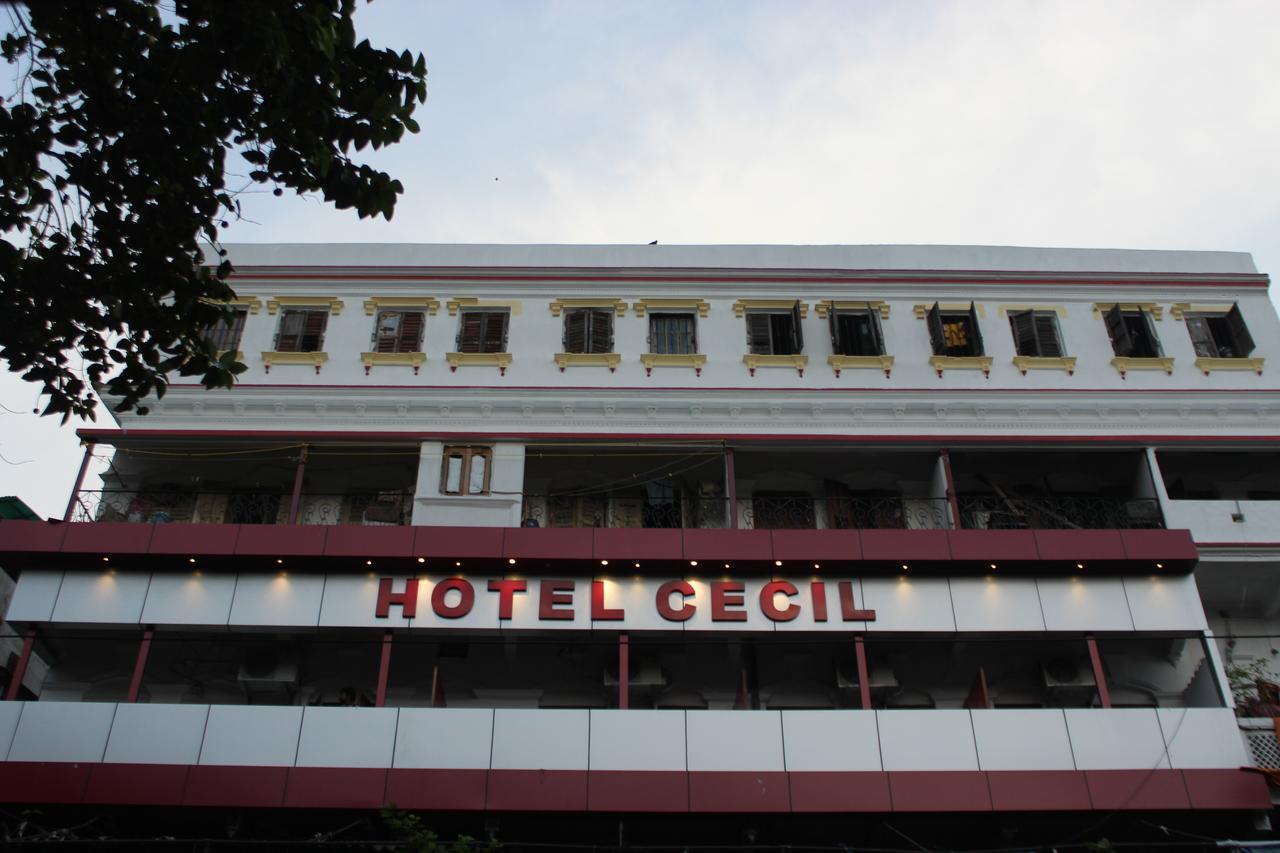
x,y
140,666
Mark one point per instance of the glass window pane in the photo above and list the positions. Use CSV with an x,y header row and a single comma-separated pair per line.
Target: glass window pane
x,y
453,474
475,485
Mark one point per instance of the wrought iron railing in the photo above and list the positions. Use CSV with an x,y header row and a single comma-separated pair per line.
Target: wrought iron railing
x,y
999,512
248,506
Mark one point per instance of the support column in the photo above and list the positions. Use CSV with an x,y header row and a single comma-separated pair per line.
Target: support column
x,y
139,667
624,671
75,491
864,675
731,487
20,668
296,500
384,672
952,500
1099,675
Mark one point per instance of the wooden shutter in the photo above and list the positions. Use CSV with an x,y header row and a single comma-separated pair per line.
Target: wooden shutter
x,y
469,331
1240,336
1024,333
313,331
873,323
1046,329
388,331
758,342
690,334
495,332
936,335
833,323
600,331
1121,340
410,339
975,333
575,331
288,334
797,331
1152,337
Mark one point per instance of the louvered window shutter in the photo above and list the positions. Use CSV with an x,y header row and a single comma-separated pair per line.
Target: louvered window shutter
x,y
758,334
469,331
1121,340
288,333
1239,332
1201,336
873,323
575,331
313,331
1024,333
690,334
797,330
1046,329
936,335
495,332
975,333
410,332
388,331
600,331
1156,350
833,323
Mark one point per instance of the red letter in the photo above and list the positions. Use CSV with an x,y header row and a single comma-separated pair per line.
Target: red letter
x,y
599,612
552,594
506,590
675,614
462,608
819,591
726,594
408,600
768,591
848,611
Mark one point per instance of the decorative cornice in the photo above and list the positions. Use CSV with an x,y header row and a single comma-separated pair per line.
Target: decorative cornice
x,y
1210,364
1156,312
753,361
1032,362
941,363
823,308
1124,365
313,358
429,304
500,360
922,309
559,305
610,360
1005,310
332,303
650,360
857,362
742,306
1180,309
406,359
702,306
457,303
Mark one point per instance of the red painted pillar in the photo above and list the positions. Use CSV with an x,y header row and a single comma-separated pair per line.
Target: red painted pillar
x,y
864,676
945,455
75,491
624,671
140,666
1099,675
20,669
384,671
731,487
296,500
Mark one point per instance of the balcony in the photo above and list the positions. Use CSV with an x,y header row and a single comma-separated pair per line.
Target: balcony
x,y
1223,497
270,506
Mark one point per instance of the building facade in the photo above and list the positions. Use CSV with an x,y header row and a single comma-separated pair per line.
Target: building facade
x,y
800,541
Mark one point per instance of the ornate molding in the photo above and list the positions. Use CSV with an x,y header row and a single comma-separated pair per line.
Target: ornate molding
x,y
753,361
650,360
407,359
742,306
557,306
313,358
332,303
858,362
920,309
460,302
1210,364
1124,365
610,360
1016,308
1152,308
1032,362
428,304
702,306
500,360
966,362
1180,309
823,308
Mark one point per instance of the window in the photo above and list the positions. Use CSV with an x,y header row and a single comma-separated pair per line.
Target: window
x,y
954,334
855,332
465,471
1220,335
775,332
672,334
224,335
398,331
301,329
1035,333
1132,333
588,330
483,331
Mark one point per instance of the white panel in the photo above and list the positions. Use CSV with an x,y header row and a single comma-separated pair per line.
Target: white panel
x,y
189,599
701,620
927,740
347,737
735,740
62,731
1203,738
1161,603
541,739
524,614
1116,738
994,603
904,603
831,740
445,738
1084,604
157,734
635,597
352,601
484,613
1033,739
262,735
284,599
104,596
9,713
637,740
831,594
34,597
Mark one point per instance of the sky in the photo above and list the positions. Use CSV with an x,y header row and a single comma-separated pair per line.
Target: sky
x,y
1150,125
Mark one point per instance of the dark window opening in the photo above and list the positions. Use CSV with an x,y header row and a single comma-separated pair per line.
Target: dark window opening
x,y
588,330
483,331
302,330
1132,333
775,333
672,334
955,334
855,332
398,331
224,336
1220,335
1035,333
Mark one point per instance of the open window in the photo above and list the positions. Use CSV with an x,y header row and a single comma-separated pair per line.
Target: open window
x,y
398,332
1133,335
301,330
1219,335
224,335
588,330
856,332
465,471
673,334
955,334
775,332
1035,334
483,331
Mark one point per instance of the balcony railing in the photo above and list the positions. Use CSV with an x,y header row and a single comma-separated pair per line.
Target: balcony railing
x,y
998,512
161,506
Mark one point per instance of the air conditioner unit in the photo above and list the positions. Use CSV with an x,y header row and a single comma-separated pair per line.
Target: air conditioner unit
x,y
1065,672
268,668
